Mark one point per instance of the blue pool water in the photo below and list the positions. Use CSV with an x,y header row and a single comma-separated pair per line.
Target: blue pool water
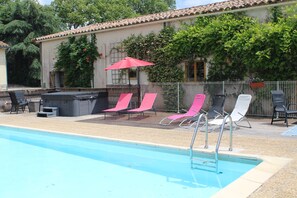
x,y
37,164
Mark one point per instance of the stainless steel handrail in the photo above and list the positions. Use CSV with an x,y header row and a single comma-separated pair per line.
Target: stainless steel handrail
x,y
206,137
196,131
220,138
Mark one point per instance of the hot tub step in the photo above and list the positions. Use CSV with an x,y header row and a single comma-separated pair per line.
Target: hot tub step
x,y
48,112
45,114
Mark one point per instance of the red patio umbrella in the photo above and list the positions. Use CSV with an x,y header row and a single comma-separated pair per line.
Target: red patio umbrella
x,y
128,63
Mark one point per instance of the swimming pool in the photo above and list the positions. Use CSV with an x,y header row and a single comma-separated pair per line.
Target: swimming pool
x,y
42,164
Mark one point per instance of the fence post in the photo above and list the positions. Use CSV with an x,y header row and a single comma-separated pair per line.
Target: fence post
x,y
178,97
223,92
277,88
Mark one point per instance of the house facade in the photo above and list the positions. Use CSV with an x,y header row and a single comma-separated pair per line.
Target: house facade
x,y
110,34
3,66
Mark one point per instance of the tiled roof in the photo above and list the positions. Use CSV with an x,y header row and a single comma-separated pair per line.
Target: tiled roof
x,y
3,45
172,14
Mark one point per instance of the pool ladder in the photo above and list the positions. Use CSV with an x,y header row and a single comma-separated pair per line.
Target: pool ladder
x,y
212,164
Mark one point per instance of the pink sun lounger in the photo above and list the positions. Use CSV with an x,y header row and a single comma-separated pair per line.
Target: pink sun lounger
x,y
122,104
193,111
146,104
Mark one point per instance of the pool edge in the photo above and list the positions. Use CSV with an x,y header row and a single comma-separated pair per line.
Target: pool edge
x,y
255,178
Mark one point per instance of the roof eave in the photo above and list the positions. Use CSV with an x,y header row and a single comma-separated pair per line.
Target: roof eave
x,y
167,20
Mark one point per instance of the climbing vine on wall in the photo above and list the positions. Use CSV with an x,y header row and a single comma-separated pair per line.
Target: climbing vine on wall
x,y
238,46
76,59
150,48
235,45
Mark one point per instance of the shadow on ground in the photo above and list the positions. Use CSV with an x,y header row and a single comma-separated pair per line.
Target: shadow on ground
x,y
148,121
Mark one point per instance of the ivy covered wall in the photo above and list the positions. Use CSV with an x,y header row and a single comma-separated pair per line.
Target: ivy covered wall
x,y
76,60
239,46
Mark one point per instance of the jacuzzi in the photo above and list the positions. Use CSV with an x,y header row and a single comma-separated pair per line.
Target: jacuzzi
x,y
76,103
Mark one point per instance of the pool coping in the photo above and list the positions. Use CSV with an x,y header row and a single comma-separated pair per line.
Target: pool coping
x,y
248,183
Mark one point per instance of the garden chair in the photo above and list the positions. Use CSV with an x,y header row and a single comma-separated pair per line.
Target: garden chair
x,y
146,104
215,111
192,112
18,101
122,104
238,113
280,106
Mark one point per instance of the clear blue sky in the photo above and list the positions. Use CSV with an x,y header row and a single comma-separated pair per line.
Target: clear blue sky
x,y
179,3
190,3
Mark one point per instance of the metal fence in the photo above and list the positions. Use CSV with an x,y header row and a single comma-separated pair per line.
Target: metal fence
x,y
178,96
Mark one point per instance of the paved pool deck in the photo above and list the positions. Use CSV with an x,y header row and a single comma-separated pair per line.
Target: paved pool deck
x,y
276,179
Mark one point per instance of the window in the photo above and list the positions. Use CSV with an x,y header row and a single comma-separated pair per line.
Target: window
x,y
195,71
117,54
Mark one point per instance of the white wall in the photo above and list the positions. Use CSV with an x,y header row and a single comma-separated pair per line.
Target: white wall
x,y
261,14
48,60
3,70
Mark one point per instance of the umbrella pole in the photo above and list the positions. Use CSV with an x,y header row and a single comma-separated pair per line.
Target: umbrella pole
x,y
138,86
129,77
129,83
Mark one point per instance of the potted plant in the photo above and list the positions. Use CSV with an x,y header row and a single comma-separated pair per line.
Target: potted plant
x,y
256,82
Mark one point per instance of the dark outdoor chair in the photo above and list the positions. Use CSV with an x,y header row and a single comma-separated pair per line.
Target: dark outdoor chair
x,y
18,101
280,106
217,107
215,110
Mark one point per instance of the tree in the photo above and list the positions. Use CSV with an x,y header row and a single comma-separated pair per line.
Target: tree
x,y
143,7
77,13
20,23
